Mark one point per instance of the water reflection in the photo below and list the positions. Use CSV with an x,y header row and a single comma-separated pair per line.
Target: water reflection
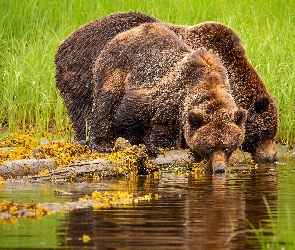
x,y
193,212
33,234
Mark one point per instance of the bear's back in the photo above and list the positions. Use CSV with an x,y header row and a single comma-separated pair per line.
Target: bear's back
x,y
81,48
146,53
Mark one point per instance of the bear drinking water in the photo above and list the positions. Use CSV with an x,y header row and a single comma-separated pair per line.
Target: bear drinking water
x,y
151,88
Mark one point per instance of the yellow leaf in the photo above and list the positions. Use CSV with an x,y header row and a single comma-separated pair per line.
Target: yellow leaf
x,y
85,238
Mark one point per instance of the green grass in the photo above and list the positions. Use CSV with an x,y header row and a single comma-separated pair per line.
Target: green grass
x,y
31,30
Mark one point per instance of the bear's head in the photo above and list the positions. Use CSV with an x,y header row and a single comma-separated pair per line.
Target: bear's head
x,y
262,127
215,140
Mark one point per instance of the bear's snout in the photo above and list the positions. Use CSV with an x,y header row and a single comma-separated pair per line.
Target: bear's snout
x,y
218,162
264,158
266,152
219,169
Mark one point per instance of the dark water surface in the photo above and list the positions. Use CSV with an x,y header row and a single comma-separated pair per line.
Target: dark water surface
x,y
192,211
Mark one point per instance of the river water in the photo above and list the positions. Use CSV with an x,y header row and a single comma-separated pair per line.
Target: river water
x,y
192,211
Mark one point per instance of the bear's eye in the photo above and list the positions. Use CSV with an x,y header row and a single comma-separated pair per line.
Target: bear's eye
x,y
225,149
211,150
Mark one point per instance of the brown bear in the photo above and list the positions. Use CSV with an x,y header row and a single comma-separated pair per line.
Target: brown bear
x,y
249,91
151,88
74,60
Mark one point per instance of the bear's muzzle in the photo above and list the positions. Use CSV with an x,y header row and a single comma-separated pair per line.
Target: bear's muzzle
x,y
218,162
266,152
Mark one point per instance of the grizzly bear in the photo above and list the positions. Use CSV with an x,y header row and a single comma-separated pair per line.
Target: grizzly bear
x,y
151,88
248,89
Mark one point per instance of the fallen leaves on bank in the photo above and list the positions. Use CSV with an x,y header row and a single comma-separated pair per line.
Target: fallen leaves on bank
x,y
65,154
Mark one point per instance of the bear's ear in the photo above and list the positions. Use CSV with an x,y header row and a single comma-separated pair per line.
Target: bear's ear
x,y
196,118
240,117
261,104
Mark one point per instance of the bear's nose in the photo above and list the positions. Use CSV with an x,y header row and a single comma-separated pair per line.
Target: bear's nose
x,y
219,169
266,158
275,157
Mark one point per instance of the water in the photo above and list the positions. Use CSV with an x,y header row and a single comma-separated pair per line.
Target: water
x,y
192,211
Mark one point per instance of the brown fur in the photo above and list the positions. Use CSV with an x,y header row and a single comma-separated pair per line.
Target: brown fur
x,y
249,91
150,87
74,60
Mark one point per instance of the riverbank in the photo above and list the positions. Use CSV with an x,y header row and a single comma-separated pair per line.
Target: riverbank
x,y
127,158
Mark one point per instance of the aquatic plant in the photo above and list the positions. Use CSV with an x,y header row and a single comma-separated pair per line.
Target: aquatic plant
x,y
277,232
11,211
2,180
131,159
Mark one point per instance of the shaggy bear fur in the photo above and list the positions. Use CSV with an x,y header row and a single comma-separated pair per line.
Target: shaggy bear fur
x,y
249,91
151,88
74,61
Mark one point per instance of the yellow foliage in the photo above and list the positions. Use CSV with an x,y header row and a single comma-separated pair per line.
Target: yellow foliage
x,y
2,181
199,167
18,140
64,154
44,172
113,199
10,211
4,156
85,238
165,150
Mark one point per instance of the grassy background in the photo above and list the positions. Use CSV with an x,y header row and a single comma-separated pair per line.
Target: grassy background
x,y
31,30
